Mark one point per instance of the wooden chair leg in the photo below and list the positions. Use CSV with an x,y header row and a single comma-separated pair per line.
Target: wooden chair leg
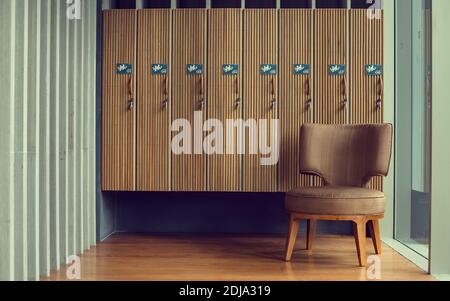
x,y
359,231
374,227
311,232
292,237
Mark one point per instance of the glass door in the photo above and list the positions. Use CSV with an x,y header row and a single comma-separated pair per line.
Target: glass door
x,y
413,122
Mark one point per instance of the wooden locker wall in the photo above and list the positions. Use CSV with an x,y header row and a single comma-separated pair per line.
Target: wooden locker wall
x,y
366,47
189,47
153,113
260,47
224,92
118,119
331,45
295,36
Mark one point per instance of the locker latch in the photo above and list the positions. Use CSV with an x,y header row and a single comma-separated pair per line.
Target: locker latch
x,y
379,93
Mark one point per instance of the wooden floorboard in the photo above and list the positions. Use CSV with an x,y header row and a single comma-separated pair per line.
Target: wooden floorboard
x,y
233,257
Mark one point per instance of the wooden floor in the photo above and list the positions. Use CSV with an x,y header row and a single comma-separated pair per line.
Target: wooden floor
x,y
171,257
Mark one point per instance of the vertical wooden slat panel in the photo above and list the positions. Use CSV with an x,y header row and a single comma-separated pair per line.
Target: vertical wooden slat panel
x,y
189,47
224,91
295,36
331,44
153,119
118,160
260,47
366,47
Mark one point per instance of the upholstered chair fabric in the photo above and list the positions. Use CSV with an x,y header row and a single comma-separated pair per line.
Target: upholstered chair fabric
x,y
346,155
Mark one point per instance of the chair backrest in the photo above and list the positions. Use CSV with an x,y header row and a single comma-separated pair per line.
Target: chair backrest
x,y
346,155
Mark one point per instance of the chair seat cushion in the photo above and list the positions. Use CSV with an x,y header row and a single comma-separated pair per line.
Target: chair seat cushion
x,y
330,200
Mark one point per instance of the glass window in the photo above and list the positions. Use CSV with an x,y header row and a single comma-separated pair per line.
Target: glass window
x,y
191,3
413,124
260,4
226,3
331,3
296,3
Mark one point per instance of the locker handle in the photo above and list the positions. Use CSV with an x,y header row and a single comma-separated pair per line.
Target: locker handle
x,y
131,94
273,92
166,91
202,98
379,93
130,87
236,90
344,93
308,93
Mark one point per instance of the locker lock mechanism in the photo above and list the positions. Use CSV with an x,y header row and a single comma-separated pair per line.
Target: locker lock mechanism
x,y
238,102
378,104
131,105
202,103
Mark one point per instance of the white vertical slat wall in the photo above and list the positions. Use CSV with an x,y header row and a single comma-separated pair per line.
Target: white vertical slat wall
x,y
47,135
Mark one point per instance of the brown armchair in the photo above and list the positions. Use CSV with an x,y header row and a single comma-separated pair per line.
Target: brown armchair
x,y
346,158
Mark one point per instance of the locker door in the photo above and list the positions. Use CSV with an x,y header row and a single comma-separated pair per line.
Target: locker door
x,y
260,93
296,57
153,107
189,47
118,103
224,93
331,91
366,91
